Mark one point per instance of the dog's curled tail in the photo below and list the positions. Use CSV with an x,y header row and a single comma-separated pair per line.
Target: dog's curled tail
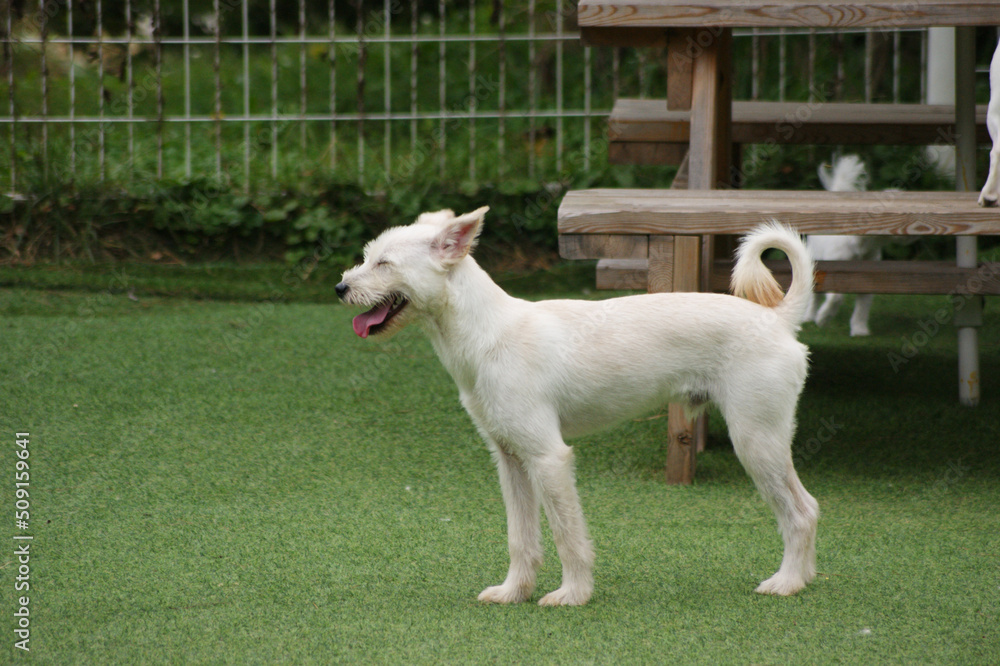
x,y
753,281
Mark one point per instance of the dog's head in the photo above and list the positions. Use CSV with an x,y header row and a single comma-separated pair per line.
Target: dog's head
x,y
405,270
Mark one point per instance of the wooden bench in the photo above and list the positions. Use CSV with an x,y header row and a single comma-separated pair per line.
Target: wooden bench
x,y
616,226
644,131
844,277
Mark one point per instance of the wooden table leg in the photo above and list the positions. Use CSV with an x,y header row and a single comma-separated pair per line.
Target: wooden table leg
x,y
683,432
680,67
708,168
711,114
682,444
660,276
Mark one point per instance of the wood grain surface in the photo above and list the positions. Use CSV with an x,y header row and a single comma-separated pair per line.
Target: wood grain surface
x,y
691,212
886,14
648,121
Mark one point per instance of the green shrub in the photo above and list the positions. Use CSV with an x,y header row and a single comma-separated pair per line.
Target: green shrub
x,y
202,219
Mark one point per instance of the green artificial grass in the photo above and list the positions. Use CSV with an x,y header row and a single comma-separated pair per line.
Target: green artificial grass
x,y
249,482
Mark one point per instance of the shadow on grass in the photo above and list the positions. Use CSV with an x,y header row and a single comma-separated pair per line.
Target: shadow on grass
x,y
858,419
859,416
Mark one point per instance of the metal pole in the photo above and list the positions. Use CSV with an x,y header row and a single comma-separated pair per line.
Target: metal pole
x,y
938,75
969,316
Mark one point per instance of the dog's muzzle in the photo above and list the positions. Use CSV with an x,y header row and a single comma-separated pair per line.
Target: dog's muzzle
x,y
377,318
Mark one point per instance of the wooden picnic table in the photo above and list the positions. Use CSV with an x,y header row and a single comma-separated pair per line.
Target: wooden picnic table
x,y
697,35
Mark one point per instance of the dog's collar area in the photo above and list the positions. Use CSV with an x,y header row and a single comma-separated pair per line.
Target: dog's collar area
x,y
376,319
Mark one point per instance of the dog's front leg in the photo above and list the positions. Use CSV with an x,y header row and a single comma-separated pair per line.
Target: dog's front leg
x,y
552,475
523,531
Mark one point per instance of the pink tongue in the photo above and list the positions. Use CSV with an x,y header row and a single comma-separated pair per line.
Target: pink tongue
x,y
373,317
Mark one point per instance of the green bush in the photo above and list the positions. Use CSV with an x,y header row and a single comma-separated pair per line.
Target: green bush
x,y
202,219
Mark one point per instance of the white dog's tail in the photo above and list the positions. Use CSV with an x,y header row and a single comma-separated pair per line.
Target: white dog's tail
x,y
753,281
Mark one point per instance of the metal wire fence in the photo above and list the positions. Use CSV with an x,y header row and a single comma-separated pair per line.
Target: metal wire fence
x,y
253,94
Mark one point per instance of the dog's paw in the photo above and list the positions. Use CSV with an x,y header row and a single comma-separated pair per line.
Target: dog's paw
x,y
566,597
824,317
781,585
504,594
860,331
987,200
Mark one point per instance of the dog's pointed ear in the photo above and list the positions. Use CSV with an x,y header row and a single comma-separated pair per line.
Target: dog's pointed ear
x,y
458,236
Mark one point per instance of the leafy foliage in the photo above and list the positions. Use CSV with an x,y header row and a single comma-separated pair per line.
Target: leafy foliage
x,y
201,219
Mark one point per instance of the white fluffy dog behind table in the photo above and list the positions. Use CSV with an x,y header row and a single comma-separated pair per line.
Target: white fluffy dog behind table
x,y
847,174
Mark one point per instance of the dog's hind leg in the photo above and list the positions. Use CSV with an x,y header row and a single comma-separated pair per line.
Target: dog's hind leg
x,y
829,309
859,318
551,473
812,308
797,513
764,447
523,531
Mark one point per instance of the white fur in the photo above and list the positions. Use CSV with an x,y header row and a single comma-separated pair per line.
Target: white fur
x,y
847,175
991,190
533,373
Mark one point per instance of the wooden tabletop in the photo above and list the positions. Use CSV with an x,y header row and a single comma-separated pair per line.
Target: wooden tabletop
x,y
888,14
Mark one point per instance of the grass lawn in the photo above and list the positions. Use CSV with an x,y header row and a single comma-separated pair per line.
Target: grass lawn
x,y
245,481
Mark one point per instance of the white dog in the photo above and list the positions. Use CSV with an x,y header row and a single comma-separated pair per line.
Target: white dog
x,y
847,175
530,374
991,190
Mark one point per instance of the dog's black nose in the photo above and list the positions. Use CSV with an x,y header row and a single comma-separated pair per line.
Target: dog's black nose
x,y
341,289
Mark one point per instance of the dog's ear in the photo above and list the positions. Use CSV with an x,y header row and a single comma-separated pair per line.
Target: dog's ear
x,y
435,217
458,236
